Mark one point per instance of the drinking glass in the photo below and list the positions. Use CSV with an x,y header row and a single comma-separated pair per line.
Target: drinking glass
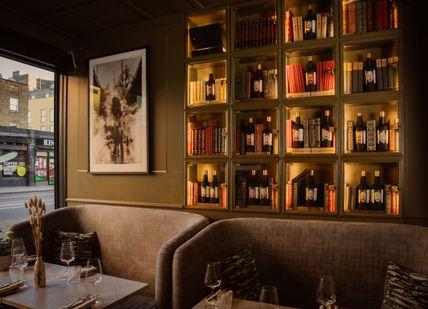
x,y
16,273
326,294
75,272
67,256
19,253
212,277
269,297
94,276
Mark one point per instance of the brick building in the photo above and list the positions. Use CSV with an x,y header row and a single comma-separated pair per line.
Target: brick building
x,y
13,104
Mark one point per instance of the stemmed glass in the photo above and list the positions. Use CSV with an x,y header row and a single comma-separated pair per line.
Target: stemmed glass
x,y
94,276
212,277
269,297
67,256
326,294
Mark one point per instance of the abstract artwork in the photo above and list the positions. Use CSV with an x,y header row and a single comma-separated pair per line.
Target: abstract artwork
x,y
118,120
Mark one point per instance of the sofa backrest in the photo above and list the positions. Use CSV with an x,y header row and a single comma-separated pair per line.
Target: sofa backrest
x,y
135,243
292,254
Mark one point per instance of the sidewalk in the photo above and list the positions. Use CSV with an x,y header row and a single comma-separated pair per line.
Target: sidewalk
x,y
11,190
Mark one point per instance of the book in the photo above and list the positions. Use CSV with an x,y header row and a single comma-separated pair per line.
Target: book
x,y
323,26
318,132
360,76
369,18
355,77
371,135
385,73
295,31
258,138
358,18
331,198
289,196
295,187
364,16
352,27
312,133
350,136
379,75
300,28
390,73
306,133
318,26
345,18
325,197
388,199
288,26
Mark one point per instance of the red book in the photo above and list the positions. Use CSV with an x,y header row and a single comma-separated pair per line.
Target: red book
x,y
390,15
289,130
369,17
379,15
384,15
351,18
288,26
302,78
195,193
258,138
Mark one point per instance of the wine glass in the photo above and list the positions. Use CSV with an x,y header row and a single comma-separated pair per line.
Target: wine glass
x,y
269,297
94,276
67,256
212,277
19,253
326,294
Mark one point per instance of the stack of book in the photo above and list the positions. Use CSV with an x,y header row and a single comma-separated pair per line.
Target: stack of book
x,y
198,94
392,204
393,138
324,79
294,26
194,195
296,194
369,15
244,80
386,75
205,138
311,136
256,32
242,192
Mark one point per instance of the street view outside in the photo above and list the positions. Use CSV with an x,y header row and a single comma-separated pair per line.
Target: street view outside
x,y
27,161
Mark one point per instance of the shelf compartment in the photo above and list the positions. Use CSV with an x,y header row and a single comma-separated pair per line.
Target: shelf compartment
x,y
207,134
247,75
376,17
389,175
255,26
312,118
206,33
385,77
294,20
196,193
244,143
299,80
198,74
370,113
299,198
258,193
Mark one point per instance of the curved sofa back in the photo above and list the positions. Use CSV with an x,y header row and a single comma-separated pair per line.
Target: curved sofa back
x,y
135,243
292,254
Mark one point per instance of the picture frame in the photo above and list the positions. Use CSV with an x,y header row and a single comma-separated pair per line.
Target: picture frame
x,y
118,113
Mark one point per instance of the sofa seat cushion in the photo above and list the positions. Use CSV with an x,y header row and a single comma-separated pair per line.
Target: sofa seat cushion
x,y
404,288
85,246
137,301
239,273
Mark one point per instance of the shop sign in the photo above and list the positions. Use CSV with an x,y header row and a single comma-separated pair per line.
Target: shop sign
x,y
45,142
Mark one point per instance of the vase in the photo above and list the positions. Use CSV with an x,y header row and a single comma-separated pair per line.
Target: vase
x,y
39,273
5,262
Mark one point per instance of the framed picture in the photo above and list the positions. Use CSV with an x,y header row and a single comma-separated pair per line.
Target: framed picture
x,y
118,114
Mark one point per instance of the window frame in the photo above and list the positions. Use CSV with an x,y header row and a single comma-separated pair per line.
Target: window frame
x,y
17,105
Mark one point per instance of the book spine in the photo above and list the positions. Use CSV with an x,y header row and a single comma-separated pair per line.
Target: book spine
x,y
318,27
323,26
350,136
345,18
355,77
325,196
369,14
371,135
380,85
390,73
258,138
295,195
359,19
306,134
388,199
385,73
395,201
318,132
331,198
364,16
352,18
346,206
353,197
312,133
360,76
288,196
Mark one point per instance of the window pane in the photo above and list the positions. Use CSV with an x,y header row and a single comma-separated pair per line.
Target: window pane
x,y
27,158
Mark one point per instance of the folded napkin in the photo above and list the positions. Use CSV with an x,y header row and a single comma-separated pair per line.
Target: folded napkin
x,y
81,303
10,287
87,270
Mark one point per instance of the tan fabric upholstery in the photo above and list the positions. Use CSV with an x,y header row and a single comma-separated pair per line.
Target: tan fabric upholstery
x,y
292,254
135,243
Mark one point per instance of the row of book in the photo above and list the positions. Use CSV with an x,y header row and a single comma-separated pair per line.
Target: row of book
x,y
205,138
294,27
298,78
248,193
393,138
392,201
244,87
256,32
198,91
312,134
369,15
386,76
295,198
194,195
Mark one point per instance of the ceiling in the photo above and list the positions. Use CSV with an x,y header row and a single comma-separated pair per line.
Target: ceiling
x,y
74,19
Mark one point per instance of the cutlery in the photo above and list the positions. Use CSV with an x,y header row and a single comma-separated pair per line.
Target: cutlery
x,y
76,302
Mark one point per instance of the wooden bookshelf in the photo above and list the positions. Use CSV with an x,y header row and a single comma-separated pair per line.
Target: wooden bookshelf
x,y
341,48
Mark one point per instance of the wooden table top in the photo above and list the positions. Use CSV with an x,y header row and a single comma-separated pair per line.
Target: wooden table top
x,y
59,293
241,304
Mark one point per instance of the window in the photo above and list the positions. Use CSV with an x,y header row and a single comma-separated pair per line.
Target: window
x,y
14,104
52,115
27,157
42,115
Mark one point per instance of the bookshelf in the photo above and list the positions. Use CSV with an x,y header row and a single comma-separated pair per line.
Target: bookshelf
x,y
337,166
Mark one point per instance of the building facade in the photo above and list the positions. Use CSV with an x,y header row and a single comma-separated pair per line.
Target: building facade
x,y
27,157
13,104
41,110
